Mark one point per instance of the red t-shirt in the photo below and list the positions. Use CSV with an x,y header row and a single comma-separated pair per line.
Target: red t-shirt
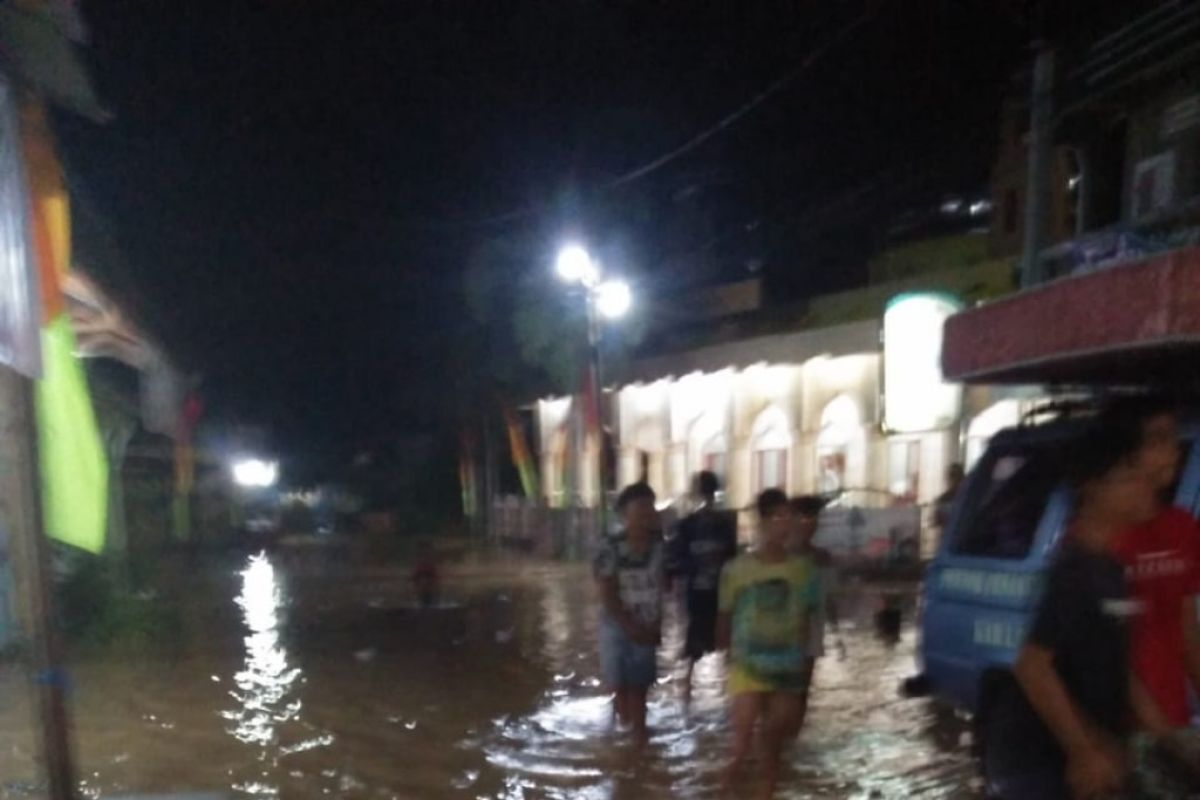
x,y
1162,568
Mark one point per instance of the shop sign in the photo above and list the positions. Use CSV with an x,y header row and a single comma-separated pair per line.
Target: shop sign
x,y
916,396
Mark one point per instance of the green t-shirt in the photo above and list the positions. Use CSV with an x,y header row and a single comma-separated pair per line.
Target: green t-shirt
x,y
768,604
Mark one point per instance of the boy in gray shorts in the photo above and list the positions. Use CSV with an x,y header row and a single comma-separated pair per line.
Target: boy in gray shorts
x,y
629,572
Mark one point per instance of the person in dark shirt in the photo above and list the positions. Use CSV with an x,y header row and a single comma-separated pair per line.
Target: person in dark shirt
x,y
1067,733
705,540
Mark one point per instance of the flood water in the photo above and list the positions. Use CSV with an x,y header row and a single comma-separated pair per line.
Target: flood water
x,y
303,682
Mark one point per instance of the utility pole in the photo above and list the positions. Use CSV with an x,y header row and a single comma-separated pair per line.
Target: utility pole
x,y
21,502
1040,163
597,403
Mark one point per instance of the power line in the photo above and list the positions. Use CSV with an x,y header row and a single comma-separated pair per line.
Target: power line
x,y
771,90
721,125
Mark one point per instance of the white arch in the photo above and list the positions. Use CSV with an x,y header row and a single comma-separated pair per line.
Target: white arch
x,y
771,445
707,437
841,446
771,429
841,421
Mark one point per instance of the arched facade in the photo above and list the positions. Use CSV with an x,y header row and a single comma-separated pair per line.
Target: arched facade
x,y
840,447
771,449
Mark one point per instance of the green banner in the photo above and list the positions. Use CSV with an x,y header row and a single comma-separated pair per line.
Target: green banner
x,y
74,470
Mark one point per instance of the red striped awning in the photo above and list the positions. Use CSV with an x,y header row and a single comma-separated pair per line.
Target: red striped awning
x,y
1134,323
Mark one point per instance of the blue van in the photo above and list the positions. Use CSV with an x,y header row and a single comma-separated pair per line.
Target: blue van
x,y
982,586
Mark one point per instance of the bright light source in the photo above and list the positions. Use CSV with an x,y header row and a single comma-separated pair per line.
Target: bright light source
x,y
613,299
980,207
576,266
254,473
951,206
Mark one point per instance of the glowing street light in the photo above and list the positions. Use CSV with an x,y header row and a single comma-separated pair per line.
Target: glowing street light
x,y
575,265
606,299
613,299
254,473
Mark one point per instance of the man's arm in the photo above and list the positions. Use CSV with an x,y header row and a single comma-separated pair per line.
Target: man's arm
x,y
1146,711
1035,673
1095,765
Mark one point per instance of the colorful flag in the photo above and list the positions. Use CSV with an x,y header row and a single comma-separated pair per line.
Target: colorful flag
x,y
71,458
466,475
521,457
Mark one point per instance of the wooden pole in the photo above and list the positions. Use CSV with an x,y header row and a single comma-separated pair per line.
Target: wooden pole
x,y
31,559
1041,165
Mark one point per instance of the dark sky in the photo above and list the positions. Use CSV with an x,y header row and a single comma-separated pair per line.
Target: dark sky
x,y
296,186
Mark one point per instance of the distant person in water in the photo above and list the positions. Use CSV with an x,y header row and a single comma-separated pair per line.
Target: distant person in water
x,y
705,540
426,577
629,571
767,600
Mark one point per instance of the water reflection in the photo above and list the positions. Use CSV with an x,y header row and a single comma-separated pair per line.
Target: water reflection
x,y
439,714
266,684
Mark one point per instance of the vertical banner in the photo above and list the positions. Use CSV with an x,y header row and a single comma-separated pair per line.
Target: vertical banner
x,y
466,475
916,396
521,457
71,458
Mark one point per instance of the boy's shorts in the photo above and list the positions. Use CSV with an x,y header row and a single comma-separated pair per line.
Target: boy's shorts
x,y
742,681
624,664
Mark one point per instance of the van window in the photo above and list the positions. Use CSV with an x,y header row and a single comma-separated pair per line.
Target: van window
x,y
1006,496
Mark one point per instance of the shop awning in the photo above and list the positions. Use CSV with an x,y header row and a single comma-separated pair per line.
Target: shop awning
x,y
1129,324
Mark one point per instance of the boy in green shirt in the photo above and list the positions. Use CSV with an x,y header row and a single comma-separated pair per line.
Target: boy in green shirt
x,y
766,600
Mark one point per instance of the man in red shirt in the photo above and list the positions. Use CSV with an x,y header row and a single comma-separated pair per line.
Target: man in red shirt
x,y
1162,562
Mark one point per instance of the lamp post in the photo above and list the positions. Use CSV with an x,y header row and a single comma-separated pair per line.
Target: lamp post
x,y
607,299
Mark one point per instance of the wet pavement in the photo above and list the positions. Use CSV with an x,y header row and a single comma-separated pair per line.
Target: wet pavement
x,y
302,682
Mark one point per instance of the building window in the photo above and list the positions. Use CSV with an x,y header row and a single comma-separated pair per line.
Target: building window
x,y
831,471
771,469
772,441
904,471
1006,500
839,442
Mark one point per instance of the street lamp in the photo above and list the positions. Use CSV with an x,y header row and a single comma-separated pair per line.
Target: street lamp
x,y
253,473
610,299
575,265
613,299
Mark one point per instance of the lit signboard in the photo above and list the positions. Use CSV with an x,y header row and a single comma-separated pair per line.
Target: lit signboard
x,y
916,398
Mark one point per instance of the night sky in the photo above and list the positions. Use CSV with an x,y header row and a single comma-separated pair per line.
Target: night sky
x,y
294,188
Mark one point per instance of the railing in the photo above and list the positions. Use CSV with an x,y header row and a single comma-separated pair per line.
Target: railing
x,y
879,533
1115,246
564,533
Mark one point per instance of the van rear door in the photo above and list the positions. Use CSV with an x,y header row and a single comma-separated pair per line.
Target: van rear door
x,y
981,588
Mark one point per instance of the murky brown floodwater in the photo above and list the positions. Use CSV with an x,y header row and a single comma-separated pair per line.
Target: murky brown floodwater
x,y
298,684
